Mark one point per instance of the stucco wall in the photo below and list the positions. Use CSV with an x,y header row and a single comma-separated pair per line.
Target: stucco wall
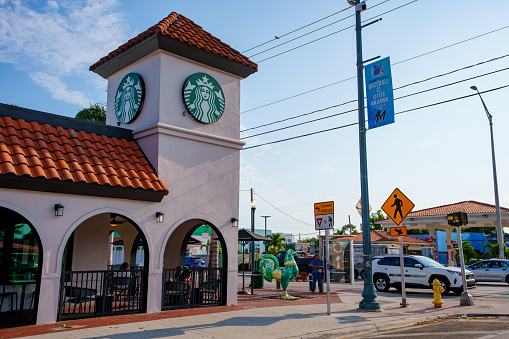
x,y
199,164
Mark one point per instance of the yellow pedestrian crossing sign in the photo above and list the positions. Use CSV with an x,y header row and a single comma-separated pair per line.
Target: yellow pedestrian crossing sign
x,y
397,206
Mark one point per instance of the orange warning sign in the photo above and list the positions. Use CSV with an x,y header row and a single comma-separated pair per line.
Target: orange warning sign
x,y
397,206
398,231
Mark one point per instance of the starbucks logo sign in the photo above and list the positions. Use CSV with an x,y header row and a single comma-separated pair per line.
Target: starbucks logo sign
x,y
129,98
204,98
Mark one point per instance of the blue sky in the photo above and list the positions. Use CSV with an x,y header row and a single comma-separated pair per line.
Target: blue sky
x,y
437,155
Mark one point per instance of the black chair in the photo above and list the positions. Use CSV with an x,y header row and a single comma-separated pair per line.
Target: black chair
x,y
119,285
209,292
176,293
11,296
77,296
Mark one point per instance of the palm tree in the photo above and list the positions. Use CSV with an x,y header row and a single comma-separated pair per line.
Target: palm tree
x,y
493,251
468,252
276,243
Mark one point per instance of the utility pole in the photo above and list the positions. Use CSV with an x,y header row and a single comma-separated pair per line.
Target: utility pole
x,y
369,301
350,224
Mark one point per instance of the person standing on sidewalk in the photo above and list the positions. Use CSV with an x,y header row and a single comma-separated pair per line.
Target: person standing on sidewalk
x,y
316,270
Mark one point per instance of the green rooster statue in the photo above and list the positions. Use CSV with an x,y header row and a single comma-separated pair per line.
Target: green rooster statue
x,y
269,267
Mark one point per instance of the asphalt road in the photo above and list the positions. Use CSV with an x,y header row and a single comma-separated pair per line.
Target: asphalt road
x,y
482,290
451,328
478,327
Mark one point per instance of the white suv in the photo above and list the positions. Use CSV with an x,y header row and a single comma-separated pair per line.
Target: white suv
x,y
419,273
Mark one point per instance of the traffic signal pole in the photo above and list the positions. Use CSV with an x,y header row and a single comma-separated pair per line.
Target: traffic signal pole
x,y
369,301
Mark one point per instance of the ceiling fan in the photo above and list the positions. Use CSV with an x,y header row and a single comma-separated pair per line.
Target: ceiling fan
x,y
114,222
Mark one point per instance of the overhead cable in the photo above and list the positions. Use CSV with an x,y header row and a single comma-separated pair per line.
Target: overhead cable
x,y
356,123
288,215
393,64
333,33
355,109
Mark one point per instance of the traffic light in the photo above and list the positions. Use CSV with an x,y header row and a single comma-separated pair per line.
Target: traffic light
x,y
457,219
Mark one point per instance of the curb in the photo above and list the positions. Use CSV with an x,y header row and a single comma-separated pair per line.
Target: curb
x,y
349,332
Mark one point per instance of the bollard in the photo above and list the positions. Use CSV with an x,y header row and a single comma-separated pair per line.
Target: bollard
x,y
437,293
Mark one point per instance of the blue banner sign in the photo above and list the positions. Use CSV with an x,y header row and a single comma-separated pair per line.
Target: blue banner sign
x,y
379,93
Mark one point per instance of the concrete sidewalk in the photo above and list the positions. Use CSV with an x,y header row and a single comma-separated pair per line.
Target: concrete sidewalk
x,y
258,317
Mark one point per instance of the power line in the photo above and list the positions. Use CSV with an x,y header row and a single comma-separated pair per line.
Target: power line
x,y
313,31
295,30
356,123
355,109
299,116
399,62
288,215
331,34
400,87
457,43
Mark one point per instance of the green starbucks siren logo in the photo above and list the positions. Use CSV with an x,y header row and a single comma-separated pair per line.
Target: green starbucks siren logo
x,y
204,98
129,98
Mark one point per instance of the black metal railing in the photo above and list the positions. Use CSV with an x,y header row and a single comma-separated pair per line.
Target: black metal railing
x,y
192,287
99,293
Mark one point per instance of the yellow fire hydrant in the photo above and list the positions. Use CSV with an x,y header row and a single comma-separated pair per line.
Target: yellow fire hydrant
x,y
437,293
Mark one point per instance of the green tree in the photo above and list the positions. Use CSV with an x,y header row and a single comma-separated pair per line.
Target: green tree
x,y
276,243
468,252
417,231
206,246
94,113
493,251
345,229
378,215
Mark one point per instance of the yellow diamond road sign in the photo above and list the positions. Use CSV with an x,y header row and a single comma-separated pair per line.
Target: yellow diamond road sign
x,y
397,206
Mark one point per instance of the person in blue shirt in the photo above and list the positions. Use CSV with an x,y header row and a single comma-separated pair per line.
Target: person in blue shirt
x,y
316,270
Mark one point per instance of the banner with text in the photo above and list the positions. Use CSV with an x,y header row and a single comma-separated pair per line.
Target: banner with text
x,y
379,94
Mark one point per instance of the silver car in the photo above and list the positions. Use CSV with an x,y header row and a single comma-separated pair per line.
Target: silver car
x,y
491,270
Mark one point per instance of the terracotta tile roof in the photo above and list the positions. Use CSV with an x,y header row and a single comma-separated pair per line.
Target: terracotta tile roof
x,y
469,207
34,150
178,27
380,236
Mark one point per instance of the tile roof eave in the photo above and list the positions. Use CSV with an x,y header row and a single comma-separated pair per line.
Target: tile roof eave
x,y
114,63
12,181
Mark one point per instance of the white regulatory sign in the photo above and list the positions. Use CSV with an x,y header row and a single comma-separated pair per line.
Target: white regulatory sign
x,y
324,222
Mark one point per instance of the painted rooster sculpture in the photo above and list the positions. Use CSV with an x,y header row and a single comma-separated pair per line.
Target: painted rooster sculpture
x,y
269,268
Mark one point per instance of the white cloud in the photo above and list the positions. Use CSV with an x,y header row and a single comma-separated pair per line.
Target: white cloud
x,y
327,169
428,142
62,38
59,89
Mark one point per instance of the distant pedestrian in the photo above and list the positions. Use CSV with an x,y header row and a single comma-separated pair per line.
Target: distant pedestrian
x,y
316,270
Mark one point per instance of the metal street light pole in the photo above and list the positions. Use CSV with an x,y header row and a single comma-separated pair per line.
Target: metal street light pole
x,y
369,301
265,216
253,208
500,233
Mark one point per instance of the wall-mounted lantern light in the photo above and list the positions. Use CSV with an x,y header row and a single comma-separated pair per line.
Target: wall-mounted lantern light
x,y
160,217
235,222
59,210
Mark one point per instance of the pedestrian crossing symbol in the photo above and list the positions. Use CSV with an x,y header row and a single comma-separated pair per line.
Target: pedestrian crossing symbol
x,y
397,206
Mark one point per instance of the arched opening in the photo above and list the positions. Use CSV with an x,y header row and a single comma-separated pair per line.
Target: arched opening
x,y
92,284
195,280
20,270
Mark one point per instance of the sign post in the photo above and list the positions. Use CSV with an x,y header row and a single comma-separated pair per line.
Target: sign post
x,y
460,219
397,207
324,220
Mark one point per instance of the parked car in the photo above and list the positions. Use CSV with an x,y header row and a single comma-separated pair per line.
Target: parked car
x,y
491,270
419,273
195,262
